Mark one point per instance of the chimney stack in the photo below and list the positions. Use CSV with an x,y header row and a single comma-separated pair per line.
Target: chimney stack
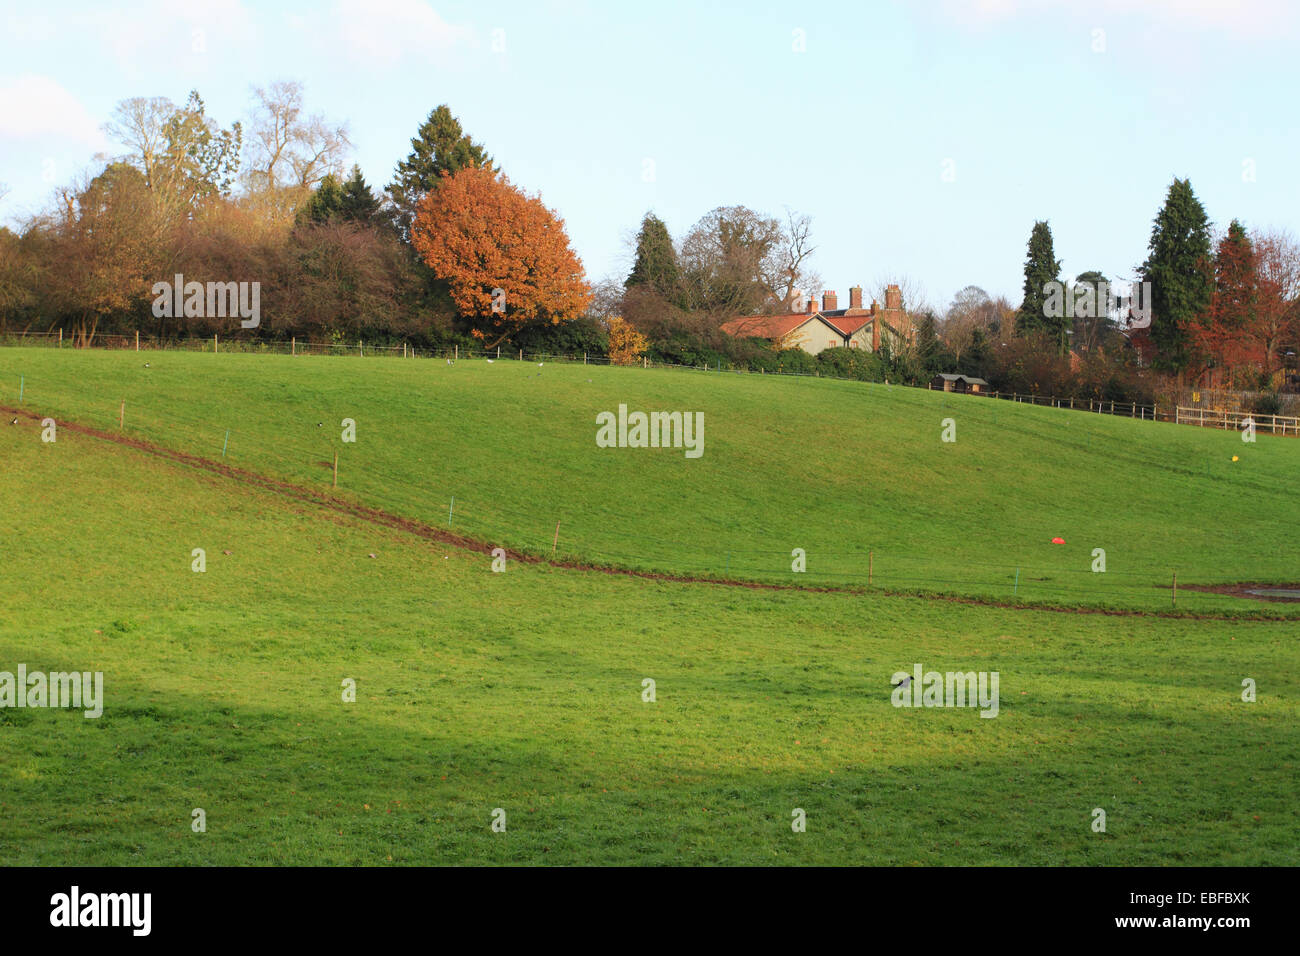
x,y
812,304
855,297
829,301
894,299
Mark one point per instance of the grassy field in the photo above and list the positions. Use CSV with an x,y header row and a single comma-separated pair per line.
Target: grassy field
x,y
839,469
523,690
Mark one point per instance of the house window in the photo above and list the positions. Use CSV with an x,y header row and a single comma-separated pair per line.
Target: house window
x,y
853,343
830,343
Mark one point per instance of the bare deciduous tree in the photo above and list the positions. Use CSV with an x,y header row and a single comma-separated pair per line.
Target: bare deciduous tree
x,y
184,157
721,261
736,261
606,298
788,272
291,152
140,124
915,300
972,311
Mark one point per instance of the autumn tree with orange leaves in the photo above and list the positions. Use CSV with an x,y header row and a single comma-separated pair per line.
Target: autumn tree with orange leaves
x,y
478,233
1223,337
626,344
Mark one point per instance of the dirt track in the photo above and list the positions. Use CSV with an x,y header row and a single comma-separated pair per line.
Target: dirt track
x,y
1243,591
428,532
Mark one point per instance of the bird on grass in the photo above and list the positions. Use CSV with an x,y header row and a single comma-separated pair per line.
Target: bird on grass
x,y
905,682
14,422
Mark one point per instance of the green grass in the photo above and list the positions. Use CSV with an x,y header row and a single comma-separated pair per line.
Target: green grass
x,y
839,469
523,690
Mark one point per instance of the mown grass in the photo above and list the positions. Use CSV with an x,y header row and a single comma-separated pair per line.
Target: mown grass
x,y
522,690
838,469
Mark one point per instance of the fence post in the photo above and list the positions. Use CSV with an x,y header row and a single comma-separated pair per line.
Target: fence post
x,y
456,354
362,347
293,345
137,340
60,338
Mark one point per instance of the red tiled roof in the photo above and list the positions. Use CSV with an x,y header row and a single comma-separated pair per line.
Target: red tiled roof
x,y
779,326
848,324
766,326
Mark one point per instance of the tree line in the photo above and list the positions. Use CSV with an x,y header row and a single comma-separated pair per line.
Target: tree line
x,y
450,251
1215,309
274,202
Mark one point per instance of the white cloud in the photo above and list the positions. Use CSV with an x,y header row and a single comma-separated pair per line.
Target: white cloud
x,y
386,31
173,35
33,106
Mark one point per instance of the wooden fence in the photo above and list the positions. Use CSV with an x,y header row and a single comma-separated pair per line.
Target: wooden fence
x,y
1096,405
1212,418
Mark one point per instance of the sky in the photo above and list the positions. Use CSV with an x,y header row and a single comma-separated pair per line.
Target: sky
x,y
923,138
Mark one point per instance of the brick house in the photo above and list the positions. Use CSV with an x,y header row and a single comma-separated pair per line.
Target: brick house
x,y
814,330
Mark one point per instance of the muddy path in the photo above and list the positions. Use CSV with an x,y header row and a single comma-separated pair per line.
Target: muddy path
x,y
377,516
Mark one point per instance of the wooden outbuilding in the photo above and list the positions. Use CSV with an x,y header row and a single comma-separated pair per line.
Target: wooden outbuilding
x,y
945,382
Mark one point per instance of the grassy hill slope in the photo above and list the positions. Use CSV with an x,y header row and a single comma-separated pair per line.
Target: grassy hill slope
x,y
835,468
523,690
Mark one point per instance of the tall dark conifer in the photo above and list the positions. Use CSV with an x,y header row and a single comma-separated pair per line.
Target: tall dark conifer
x,y
1041,267
356,202
656,259
1181,272
440,146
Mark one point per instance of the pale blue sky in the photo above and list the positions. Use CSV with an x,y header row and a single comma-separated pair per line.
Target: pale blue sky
x,y
854,131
